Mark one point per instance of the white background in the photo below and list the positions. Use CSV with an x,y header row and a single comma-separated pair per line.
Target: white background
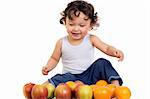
x,y
29,30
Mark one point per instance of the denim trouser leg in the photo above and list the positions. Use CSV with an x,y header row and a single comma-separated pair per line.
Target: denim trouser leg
x,y
101,69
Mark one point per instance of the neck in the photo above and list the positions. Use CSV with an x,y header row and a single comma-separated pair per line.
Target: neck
x,y
74,41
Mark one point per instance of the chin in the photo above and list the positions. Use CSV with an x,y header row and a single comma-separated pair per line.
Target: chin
x,y
77,38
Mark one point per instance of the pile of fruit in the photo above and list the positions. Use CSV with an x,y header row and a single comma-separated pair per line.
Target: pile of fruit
x,y
76,90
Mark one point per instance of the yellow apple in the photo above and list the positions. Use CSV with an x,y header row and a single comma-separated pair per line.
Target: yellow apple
x,y
84,92
50,89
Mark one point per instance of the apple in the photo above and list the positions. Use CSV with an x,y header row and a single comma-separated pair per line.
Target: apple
x,y
71,84
39,92
62,91
84,92
27,88
50,89
78,83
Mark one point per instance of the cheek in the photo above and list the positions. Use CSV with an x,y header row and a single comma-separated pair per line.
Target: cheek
x,y
69,29
85,30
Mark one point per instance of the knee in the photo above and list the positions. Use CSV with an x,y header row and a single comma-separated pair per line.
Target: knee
x,y
102,63
103,60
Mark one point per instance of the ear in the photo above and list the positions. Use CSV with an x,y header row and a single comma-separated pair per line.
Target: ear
x,y
91,27
64,21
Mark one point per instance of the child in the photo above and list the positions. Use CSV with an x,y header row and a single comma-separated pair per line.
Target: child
x,y
77,49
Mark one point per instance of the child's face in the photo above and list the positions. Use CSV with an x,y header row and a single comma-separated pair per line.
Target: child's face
x,y
78,27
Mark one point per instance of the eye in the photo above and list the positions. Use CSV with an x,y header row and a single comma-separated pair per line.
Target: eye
x,y
71,24
82,25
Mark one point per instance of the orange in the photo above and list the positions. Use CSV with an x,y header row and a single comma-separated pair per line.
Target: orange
x,y
122,92
102,93
101,83
112,88
94,87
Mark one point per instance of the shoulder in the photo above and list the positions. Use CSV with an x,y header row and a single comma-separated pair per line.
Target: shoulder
x,y
94,38
59,43
61,40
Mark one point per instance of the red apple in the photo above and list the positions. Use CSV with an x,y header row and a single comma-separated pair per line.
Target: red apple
x,y
27,88
78,83
84,92
39,92
72,85
62,91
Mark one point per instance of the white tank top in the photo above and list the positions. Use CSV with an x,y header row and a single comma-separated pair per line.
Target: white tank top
x,y
77,58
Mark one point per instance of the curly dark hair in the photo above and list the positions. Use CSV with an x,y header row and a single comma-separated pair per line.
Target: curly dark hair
x,y
75,7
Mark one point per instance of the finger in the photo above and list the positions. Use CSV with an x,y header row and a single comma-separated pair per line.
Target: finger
x,y
45,73
45,69
120,58
115,53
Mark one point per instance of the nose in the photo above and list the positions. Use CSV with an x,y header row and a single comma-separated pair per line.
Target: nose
x,y
76,28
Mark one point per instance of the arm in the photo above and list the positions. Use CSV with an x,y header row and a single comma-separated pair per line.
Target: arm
x,y
54,59
105,48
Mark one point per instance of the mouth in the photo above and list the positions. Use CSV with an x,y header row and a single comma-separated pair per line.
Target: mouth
x,y
76,34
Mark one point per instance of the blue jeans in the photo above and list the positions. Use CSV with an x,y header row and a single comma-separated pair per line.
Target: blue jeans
x,y
101,69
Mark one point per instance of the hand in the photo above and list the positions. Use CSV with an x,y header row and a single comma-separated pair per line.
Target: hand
x,y
45,70
119,54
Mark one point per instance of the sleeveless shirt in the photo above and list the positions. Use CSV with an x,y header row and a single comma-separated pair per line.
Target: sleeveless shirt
x,y
77,58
